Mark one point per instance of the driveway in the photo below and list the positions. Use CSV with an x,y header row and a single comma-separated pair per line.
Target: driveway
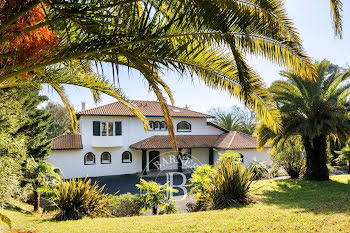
x,y
126,183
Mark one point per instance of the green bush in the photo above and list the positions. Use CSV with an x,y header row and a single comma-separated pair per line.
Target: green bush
x,y
125,205
260,170
290,156
226,185
78,198
154,196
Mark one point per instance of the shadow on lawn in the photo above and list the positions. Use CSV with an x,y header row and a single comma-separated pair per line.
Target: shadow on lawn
x,y
17,209
326,197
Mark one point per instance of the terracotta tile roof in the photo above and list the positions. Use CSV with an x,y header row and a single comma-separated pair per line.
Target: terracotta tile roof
x,y
148,108
232,140
163,142
236,140
67,142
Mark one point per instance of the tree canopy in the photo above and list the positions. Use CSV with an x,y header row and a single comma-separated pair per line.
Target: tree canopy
x,y
318,111
208,39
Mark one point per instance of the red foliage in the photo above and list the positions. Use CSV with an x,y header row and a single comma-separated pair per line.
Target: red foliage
x,y
25,46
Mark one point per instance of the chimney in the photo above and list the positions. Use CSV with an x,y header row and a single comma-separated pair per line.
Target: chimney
x,y
83,106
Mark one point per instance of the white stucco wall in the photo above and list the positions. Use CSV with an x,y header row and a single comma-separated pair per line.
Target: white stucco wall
x,y
72,161
249,155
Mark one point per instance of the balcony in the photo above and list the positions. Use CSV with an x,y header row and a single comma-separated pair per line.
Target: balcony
x,y
107,141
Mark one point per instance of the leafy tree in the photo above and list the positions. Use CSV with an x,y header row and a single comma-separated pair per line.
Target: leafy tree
x,y
189,37
317,111
154,195
39,175
61,123
291,157
12,151
32,122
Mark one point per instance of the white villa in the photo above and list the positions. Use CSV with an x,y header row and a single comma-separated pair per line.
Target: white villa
x,y
112,141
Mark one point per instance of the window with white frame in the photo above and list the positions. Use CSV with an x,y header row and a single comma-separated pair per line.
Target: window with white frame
x,y
89,158
107,128
156,125
183,126
162,125
105,158
126,157
151,125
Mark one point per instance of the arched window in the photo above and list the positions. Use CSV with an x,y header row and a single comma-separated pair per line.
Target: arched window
x,y
126,157
106,158
156,125
162,125
151,125
89,158
183,126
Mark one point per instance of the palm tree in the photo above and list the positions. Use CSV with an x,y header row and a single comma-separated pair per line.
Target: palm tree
x,y
336,11
154,195
72,73
206,38
318,111
228,121
40,174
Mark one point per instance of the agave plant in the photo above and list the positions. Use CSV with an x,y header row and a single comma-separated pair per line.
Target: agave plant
x,y
77,198
206,38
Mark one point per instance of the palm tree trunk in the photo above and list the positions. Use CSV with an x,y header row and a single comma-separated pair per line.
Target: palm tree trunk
x,y
154,210
316,158
36,200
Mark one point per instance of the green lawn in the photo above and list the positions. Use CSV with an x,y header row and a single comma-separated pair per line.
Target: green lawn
x,y
282,206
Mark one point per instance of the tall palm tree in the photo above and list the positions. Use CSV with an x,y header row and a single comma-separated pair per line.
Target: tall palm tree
x,y
207,38
228,121
318,111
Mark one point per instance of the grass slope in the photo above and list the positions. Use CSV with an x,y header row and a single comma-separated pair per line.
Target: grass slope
x,y
283,206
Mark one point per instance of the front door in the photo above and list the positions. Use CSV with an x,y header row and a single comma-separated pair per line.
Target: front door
x,y
153,160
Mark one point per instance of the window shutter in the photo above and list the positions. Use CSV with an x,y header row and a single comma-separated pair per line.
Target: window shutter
x,y
96,128
118,128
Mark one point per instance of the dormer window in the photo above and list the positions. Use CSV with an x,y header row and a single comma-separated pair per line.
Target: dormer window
x,y
183,126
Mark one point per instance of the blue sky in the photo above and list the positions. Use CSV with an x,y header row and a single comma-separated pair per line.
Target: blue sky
x,y
312,19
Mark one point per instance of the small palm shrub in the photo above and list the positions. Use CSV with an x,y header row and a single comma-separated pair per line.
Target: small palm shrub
x,y
77,198
260,170
224,185
125,205
155,196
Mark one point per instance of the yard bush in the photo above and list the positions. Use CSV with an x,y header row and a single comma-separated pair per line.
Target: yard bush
x,y
78,198
155,196
291,157
226,185
260,170
125,205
